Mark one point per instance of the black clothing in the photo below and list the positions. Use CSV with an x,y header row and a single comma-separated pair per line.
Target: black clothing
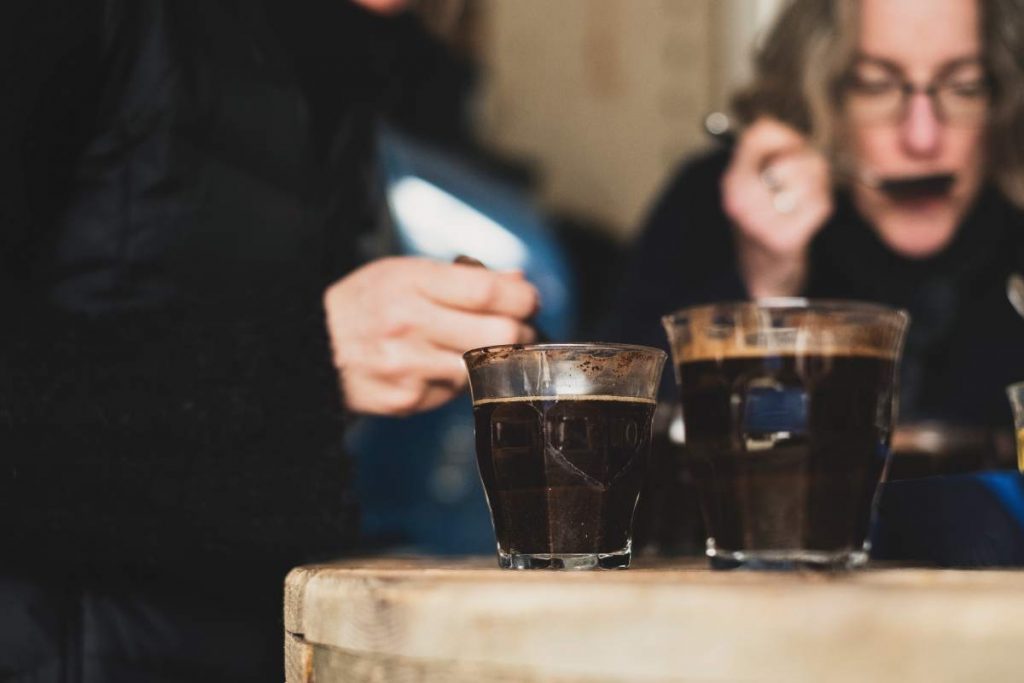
x,y
56,630
965,341
182,179
167,375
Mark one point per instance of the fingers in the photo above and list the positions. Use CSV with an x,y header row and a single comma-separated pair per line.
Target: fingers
x,y
479,290
777,190
460,331
770,157
777,194
398,360
371,396
399,327
406,375
399,376
804,177
796,168
762,142
798,180
384,398
414,316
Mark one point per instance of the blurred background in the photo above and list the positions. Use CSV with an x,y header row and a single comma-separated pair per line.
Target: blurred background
x,y
545,133
639,74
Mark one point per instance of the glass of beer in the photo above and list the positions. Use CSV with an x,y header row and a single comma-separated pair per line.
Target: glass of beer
x,y
563,436
788,407
1016,394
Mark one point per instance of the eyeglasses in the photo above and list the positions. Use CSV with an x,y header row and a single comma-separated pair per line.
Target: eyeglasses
x,y
878,95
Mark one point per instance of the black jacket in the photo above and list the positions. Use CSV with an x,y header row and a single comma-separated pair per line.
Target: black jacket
x,y
965,342
182,179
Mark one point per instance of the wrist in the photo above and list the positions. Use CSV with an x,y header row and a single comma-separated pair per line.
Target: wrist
x,y
768,274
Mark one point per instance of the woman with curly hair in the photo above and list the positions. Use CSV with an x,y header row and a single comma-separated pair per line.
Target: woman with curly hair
x,y
877,156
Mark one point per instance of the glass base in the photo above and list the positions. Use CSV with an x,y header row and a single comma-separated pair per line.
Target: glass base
x,y
616,560
785,560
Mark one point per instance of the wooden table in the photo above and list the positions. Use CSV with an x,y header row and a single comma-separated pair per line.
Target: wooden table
x,y
430,621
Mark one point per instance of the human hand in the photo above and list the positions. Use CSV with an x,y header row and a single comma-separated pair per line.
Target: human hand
x,y
399,326
777,191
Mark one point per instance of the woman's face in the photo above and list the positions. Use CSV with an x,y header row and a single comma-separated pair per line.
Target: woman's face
x,y
934,46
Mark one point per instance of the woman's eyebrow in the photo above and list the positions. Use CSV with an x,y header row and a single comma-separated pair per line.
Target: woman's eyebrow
x,y
959,63
944,69
861,59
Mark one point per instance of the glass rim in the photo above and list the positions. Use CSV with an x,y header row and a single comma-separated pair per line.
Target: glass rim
x,y
476,355
793,304
567,346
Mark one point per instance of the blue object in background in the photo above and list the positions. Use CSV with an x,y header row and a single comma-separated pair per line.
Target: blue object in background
x,y
416,477
963,520
775,409
442,208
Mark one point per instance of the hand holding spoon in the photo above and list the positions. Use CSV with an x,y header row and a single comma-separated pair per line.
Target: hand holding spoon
x,y
464,260
720,127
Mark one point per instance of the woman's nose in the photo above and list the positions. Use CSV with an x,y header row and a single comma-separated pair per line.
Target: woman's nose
x,y
921,130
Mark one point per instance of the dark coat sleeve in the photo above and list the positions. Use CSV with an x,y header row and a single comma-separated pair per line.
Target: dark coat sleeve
x,y
50,65
137,438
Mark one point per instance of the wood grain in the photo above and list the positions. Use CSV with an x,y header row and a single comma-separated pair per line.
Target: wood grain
x,y
298,659
420,620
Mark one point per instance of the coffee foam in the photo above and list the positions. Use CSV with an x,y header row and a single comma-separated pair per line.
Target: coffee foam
x,y
565,397
692,353
808,334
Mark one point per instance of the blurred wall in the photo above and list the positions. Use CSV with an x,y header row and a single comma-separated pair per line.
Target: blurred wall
x,y
605,97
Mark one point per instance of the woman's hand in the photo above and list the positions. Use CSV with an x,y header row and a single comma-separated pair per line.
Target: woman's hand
x,y
399,326
777,192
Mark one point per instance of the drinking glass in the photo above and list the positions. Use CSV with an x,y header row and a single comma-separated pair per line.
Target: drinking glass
x,y
1016,394
788,407
563,436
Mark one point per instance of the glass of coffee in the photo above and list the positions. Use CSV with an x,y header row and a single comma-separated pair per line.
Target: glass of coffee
x,y
788,407
1015,392
563,435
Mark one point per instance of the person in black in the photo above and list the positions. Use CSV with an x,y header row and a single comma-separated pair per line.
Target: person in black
x,y
184,188
847,99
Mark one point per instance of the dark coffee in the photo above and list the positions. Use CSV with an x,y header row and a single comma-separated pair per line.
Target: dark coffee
x,y
787,450
562,475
